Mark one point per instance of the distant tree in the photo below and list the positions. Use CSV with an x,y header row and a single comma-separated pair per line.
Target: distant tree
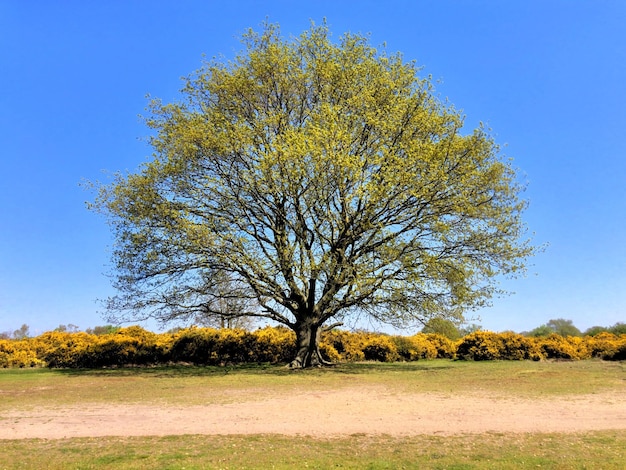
x,y
5,335
595,330
563,327
559,326
102,330
543,330
442,326
242,322
618,329
467,329
175,329
23,332
70,328
226,303
322,179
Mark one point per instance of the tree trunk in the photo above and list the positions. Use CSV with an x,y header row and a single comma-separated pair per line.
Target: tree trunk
x,y
307,344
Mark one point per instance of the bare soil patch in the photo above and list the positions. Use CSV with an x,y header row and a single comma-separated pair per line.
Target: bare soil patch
x,y
367,410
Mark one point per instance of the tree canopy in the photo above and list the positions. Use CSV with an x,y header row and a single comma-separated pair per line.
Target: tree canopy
x,y
442,326
560,326
307,180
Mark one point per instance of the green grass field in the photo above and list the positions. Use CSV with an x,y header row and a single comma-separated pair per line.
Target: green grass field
x,y
597,450
26,389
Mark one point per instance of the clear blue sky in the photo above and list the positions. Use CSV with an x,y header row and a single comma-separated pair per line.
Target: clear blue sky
x,y
548,76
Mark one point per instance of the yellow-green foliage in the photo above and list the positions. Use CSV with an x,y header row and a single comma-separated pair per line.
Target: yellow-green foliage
x,y
347,153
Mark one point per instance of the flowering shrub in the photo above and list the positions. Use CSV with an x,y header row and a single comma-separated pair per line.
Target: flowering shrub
x,y
18,354
487,345
620,350
604,345
62,349
516,347
414,348
380,348
273,345
446,348
207,346
195,345
558,347
480,346
329,352
347,345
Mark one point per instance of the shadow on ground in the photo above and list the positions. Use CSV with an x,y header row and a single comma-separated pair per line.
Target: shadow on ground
x,y
185,370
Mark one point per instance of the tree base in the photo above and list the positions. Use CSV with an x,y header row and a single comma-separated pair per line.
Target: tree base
x,y
309,361
308,351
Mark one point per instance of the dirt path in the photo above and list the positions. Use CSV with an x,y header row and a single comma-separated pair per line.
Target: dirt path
x,y
364,410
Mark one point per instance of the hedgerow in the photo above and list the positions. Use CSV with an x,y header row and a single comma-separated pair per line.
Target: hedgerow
x,y
135,346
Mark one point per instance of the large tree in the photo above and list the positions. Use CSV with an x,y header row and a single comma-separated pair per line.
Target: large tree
x,y
313,179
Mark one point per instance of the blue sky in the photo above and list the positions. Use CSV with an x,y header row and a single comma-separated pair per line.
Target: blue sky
x,y
547,76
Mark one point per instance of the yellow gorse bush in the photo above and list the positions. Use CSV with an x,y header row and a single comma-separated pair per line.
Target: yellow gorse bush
x,y
607,345
18,353
135,346
564,347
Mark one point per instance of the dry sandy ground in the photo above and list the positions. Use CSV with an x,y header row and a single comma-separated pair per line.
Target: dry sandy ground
x,y
371,410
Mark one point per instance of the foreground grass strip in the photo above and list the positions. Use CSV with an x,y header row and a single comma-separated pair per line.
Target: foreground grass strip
x,y
597,450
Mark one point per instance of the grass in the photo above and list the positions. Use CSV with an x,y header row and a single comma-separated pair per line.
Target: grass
x,y
28,388
597,450
24,389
